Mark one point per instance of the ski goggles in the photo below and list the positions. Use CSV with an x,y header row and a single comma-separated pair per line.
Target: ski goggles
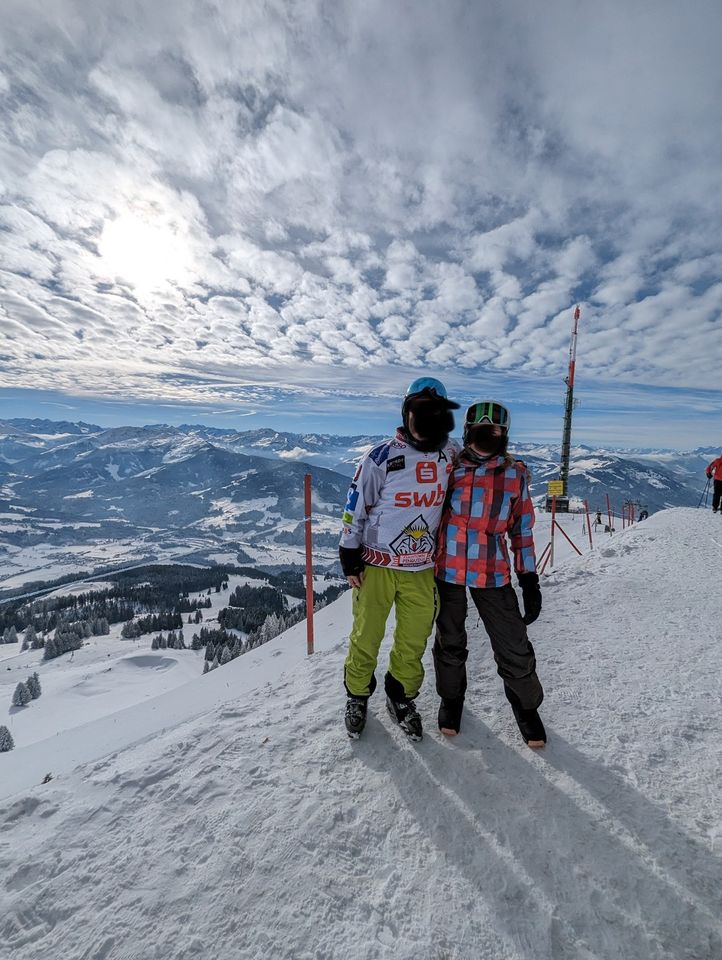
x,y
489,412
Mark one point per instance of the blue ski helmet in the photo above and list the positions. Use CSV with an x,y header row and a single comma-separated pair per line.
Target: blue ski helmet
x,y
429,388
432,386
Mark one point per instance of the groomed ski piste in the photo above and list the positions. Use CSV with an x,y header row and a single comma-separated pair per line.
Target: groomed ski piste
x,y
232,818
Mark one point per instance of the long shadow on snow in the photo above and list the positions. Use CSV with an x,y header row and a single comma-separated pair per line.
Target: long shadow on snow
x,y
558,877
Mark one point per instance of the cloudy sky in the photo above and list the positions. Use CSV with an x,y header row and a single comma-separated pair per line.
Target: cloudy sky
x,y
268,212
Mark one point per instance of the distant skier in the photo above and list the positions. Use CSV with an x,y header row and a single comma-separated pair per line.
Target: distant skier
x,y
387,553
643,514
488,501
714,473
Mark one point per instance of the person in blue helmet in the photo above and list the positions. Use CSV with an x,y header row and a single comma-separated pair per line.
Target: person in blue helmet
x,y
387,551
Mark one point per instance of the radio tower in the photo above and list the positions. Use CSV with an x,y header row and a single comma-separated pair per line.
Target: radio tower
x,y
562,484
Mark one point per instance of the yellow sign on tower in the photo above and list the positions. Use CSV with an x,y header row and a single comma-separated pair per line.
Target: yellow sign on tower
x,y
555,488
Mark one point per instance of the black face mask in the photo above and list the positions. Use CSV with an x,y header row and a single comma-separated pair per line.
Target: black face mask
x,y
482,436
432,423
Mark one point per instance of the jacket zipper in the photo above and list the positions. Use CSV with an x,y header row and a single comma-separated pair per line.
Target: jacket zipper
x,y
468,518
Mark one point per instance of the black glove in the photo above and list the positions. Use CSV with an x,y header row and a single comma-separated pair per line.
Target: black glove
x,y
351,560
709,476
529,583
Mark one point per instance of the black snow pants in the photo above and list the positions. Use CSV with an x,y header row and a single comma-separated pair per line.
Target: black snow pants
x,y
716,494
499,610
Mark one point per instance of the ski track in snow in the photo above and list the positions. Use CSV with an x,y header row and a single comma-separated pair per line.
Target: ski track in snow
x,y
259,831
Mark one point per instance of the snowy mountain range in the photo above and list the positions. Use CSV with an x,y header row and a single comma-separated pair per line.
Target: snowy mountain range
x,y
76,496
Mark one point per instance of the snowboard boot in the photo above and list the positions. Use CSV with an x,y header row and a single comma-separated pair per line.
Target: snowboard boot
x,y
404,712
355,718
529,722
450,716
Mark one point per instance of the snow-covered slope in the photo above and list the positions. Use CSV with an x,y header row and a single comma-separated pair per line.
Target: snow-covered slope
x,y
250,827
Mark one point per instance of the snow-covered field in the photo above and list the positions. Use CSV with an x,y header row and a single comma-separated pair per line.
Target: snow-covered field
x,y
106,676
231,818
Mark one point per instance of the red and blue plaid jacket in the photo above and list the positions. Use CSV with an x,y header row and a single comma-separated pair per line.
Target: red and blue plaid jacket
x,y
485,504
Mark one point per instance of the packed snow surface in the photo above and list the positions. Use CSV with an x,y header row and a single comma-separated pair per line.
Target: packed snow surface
x,y
231,818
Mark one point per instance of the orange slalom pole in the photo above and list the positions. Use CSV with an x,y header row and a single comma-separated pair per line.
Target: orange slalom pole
x,y
554,523
609,513
309,563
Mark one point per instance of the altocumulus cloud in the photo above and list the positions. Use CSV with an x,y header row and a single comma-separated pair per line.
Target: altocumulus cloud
x,y
199,201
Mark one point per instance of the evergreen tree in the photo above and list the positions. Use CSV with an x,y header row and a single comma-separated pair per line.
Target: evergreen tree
x,y
21,697
154,643
225,656
33,685
215,663
6,740
30,637
210,651
50,649
206,666
162,642
196,642
180,643
130,631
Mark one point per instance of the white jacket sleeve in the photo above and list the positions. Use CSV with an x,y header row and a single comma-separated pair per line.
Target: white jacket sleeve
x,y
362,495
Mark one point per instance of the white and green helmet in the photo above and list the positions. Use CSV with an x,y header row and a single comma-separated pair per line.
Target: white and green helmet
x,y
487,412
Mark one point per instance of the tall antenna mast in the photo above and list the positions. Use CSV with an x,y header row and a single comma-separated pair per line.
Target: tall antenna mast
x,y
560,487
569,406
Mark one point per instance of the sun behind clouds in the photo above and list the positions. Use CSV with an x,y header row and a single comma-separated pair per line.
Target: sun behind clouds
x,y
145,249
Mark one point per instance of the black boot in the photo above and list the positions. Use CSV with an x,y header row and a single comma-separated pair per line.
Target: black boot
x,y
407,716
355,718
528,721
402,708
450,714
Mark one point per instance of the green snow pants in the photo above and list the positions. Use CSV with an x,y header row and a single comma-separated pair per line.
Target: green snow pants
x,y
414,594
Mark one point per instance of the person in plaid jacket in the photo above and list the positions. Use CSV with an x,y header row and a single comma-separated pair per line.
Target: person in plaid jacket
x,y
714,472
487,502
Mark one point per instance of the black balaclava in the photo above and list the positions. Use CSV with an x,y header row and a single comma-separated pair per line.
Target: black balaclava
x,y
433,420
483,431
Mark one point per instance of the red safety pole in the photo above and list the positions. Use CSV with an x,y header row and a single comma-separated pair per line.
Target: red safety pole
x,y
545,561
541,562
609,513
554,522
564,533
589,524
309,563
